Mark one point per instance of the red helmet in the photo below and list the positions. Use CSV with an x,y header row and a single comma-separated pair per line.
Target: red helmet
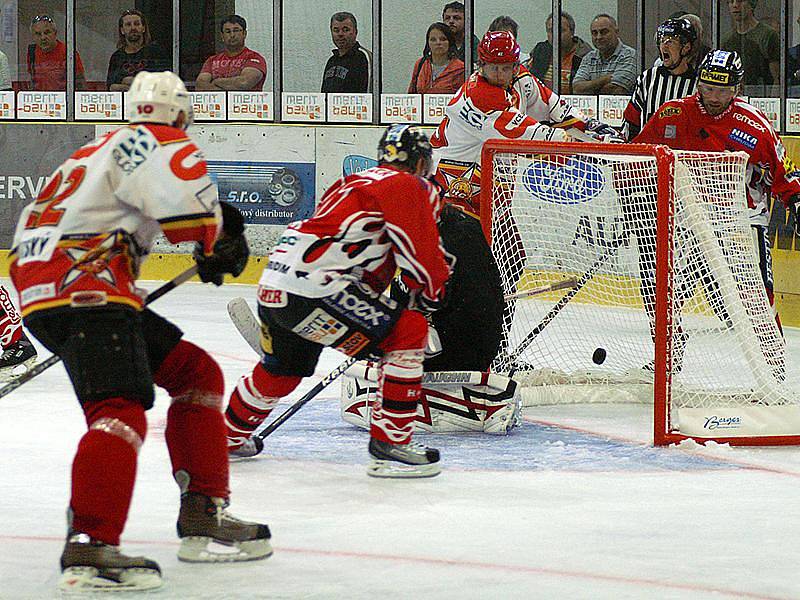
x,y
498,47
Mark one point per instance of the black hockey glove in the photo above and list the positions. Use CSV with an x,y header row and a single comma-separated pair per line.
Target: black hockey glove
x,y
603,132
230,252
794,207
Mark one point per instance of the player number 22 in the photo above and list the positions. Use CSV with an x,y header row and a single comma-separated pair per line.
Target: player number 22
x,y
55,192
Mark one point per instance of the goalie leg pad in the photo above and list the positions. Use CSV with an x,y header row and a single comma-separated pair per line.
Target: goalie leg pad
x,y
450,401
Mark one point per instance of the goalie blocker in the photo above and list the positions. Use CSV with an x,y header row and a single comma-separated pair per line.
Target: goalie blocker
x,y
451,401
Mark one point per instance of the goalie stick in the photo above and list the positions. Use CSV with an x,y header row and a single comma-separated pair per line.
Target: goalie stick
x,y
559,285
54,359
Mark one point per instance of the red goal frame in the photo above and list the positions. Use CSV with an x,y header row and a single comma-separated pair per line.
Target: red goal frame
x,y
665,229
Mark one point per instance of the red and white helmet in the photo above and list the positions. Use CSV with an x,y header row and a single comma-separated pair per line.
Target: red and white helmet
x,y
498,47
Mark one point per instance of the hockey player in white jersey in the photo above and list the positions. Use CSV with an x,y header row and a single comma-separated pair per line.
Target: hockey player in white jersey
x,y
75,259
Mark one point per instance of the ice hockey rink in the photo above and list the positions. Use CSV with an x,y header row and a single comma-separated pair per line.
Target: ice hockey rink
x,y
574,504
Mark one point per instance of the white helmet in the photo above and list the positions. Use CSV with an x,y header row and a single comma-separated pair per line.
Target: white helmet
x,y
158,98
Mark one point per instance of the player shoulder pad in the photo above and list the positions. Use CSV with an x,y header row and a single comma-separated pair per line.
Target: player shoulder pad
x,y
165,134
485,96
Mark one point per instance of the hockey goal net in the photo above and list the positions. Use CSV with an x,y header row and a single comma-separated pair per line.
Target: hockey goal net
x,y
667,303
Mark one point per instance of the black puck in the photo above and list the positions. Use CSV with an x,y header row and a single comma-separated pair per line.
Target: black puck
x,y
599,356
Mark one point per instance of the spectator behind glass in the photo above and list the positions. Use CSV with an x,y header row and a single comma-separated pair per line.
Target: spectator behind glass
x,y
349,69
504,23
611,67
237,67
47,58
135,52
573,49
439,71
453,17
758,45
793,67
5,73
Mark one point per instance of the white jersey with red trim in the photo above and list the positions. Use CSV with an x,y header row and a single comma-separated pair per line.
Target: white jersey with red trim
x,y
685,125
83,238
480,111
365,227
541,103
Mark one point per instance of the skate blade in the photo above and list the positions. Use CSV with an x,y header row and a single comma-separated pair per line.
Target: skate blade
x,y
12,373
80,580
201,549
390,469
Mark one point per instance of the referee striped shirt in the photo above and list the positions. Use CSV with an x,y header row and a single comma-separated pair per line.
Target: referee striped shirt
x,y
654,87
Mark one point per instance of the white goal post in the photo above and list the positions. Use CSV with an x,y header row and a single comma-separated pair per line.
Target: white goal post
x,y
667,285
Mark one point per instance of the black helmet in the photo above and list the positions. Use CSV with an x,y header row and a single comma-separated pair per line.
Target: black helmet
x,y
405,145
680,28
720,67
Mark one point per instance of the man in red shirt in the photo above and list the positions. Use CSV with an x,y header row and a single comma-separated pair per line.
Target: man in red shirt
x,y
47,58
238,67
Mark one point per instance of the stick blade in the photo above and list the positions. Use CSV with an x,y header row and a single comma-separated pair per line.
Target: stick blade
x,y
246,323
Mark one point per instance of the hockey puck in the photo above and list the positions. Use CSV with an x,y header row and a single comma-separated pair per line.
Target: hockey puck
x,y
599,356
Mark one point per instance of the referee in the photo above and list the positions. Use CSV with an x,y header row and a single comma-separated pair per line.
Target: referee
x,y
674,78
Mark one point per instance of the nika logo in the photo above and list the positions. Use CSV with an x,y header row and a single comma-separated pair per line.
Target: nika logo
x,y
743,138
561,180
716,422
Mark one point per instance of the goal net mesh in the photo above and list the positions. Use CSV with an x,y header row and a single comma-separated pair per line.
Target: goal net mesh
x,y
592,216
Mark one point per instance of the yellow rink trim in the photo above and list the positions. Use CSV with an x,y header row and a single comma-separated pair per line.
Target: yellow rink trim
x,y
786,263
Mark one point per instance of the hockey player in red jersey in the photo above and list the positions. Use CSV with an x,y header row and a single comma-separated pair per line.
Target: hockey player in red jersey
x,y
715,119
18,352
75,259
322,287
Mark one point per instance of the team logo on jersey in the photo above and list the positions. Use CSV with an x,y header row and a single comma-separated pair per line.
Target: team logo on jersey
x,y
563,181
358,309
743,138
320,327
670,132
92,262
669,111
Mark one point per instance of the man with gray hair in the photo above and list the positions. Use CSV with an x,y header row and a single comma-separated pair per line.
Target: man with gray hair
x,y
611,67
350,67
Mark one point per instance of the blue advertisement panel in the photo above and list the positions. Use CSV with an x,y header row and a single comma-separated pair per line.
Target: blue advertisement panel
x,y
267,193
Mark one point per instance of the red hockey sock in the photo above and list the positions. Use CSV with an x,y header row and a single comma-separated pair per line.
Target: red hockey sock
x,y
195,432
104,469
253,399
400,385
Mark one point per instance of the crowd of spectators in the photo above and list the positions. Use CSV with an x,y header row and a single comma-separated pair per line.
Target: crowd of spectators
x,y
608,66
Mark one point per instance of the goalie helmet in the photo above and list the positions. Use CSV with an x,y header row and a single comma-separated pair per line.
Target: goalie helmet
x,y
722,68
498,47
681,28
158,98
404,145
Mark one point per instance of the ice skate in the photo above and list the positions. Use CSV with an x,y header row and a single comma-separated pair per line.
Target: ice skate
x,y
17,359
89,565
250,447
203,521
402,461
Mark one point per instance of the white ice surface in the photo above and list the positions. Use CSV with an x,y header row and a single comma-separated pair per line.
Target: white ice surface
x,y
575,504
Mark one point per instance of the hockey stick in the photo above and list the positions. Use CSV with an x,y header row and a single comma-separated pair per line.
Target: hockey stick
x,y
559,306
49,362
309,395
249,328
559,285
